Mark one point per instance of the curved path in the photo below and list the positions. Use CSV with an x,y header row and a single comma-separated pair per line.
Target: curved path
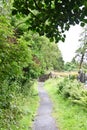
x,y
44,120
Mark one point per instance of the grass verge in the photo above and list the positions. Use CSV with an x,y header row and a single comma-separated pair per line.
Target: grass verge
x,y
28,106
68,116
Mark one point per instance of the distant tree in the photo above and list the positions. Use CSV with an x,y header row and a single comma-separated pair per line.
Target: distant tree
x,y
46,52
70,66
82,50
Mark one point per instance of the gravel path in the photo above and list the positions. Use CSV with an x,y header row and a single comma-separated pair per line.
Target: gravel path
x,y
44,120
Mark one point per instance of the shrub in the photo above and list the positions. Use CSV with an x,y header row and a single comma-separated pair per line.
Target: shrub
x,y
73,90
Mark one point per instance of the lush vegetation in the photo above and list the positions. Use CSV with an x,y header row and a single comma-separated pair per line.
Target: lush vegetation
x,y
71,66
52,17
21,112
74,91
24,56
70,103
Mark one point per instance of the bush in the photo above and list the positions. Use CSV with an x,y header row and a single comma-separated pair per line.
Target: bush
x,y
73,90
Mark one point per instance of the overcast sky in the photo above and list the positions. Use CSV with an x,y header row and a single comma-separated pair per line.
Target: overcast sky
x,y
71,43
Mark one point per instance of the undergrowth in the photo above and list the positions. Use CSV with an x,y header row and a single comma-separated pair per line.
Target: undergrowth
x,y
22,111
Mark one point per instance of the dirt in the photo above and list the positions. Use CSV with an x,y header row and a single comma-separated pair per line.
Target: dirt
x,y
44,119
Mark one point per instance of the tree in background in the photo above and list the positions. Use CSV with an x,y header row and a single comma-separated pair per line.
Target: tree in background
x,y
81,55
46,54
71,66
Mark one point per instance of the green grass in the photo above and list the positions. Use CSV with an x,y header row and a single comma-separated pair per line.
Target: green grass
x,y
25,109
22,112
68,115
29,107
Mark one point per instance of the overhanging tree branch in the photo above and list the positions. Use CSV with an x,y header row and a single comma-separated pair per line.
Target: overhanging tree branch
x,y
37,5
25,20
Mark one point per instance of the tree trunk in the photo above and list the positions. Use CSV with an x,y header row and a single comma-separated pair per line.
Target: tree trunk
x,y
81,61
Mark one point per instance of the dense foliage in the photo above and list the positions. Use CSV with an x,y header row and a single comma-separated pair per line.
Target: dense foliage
x,y
73,90
68,115
71,66
52,17
24,56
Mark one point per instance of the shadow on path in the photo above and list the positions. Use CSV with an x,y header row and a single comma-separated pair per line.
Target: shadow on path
x,y
44,120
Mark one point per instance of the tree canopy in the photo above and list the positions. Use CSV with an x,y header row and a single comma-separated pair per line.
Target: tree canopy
x,y
52,17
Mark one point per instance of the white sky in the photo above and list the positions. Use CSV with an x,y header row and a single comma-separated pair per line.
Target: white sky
x,y
71,43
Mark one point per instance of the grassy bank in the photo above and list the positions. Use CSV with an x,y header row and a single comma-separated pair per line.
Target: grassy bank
x,y
29,107
22,112
68,116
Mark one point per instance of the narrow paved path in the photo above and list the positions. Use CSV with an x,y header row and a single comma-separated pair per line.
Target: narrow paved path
x,y
44,120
